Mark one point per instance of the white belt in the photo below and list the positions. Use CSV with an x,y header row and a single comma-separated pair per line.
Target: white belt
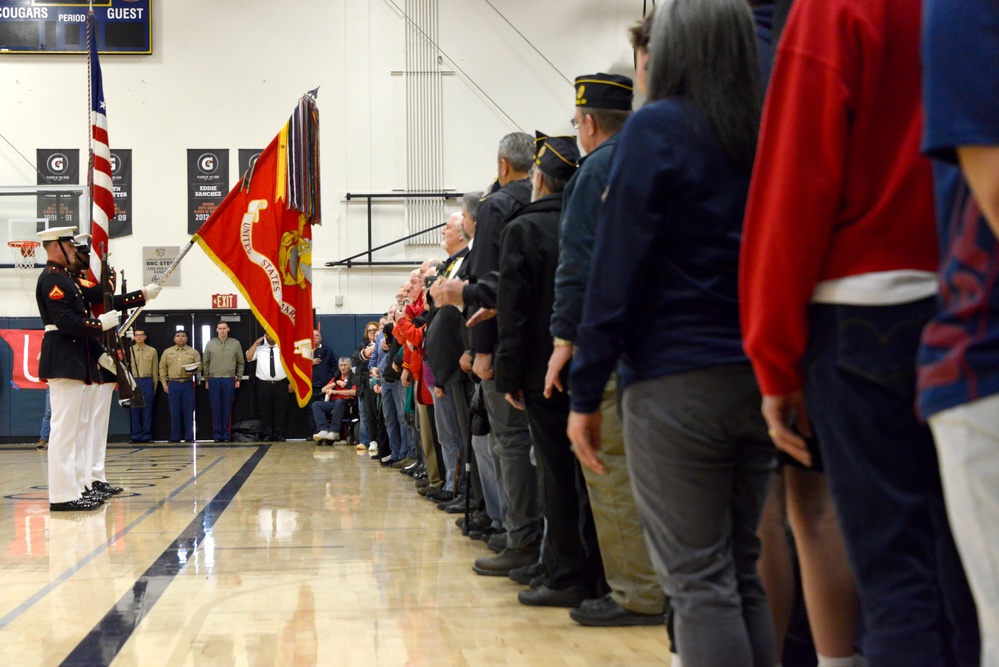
x,y
51,327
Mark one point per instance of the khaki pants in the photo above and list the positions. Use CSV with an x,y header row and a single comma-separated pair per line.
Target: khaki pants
x,y
627,567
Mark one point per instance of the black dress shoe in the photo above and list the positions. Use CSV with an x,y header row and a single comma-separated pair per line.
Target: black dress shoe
x,y
428,489
456,506
95,496
542,596
458,500
412,470
79,505
524,575
106,488
605,612
441,496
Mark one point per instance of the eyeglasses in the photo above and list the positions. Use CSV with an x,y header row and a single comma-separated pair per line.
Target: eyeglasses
x,y
574,123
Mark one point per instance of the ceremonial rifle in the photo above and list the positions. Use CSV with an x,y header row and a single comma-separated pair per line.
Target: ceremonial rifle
x,y
127,394
128,354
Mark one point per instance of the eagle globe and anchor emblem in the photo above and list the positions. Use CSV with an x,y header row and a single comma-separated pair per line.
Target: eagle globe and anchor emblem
x,y
295,256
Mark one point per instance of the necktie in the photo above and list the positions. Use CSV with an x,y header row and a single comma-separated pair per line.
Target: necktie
x,y
273,369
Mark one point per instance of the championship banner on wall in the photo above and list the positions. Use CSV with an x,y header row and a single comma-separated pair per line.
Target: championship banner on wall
x,y
27,345
247,159
58,166
207,184
121,180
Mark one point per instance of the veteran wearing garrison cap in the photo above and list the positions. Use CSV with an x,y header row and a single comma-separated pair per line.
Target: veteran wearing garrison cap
x,y
603,104
526,292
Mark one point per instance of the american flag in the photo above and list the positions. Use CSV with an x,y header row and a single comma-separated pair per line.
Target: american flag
x,y
100,159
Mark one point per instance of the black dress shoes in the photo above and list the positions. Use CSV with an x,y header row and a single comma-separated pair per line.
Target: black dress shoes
x,y
440,496
605,612
444,504
107,488
456,506
542,596
95,496
78,505
525,575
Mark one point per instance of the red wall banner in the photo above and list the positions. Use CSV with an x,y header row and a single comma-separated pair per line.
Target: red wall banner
x,y
27,345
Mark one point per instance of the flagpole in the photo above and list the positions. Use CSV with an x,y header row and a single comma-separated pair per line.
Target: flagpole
x,y
90,127
159,281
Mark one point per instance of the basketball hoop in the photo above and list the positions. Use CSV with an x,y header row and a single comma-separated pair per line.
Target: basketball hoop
x,y
24,256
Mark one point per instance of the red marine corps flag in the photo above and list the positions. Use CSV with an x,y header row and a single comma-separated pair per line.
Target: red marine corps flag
x,y
261,237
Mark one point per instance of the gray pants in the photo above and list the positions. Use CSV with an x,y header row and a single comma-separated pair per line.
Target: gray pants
x,y
699,458
512,452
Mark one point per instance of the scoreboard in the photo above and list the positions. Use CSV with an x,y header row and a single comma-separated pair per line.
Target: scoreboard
x,y
60,26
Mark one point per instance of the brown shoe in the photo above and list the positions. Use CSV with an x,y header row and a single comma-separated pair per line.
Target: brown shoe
x,y
403,463
508,559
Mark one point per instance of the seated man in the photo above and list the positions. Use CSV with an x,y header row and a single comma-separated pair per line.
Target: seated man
x,y
329,412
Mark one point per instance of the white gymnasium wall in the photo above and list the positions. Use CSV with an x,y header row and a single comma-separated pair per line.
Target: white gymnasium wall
x,y
228,75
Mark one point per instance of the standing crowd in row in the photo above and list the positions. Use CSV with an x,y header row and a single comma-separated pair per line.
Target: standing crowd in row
x,y
586,369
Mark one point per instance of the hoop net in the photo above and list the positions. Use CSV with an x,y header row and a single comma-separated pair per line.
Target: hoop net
x,y
24,256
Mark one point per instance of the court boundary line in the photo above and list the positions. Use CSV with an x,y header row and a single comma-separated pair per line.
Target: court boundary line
x,y
124,617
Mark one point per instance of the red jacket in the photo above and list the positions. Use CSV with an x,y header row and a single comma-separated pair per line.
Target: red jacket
x,y
407,332
839,187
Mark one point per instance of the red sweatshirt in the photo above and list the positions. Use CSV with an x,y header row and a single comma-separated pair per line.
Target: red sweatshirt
x,y
839,187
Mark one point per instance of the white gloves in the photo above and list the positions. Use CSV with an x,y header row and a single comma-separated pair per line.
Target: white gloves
x,y
110,320
105,361
152,291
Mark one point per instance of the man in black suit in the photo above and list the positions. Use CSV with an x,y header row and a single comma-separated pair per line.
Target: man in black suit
x,y
572,569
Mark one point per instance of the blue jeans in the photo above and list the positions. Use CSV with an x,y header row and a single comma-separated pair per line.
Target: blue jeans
x,y
392,397
47,417
329,414
142,418
221,392
446,416
363,413
883,474
180,397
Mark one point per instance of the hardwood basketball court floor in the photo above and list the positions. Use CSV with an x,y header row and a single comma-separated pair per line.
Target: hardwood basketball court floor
x,y
266,554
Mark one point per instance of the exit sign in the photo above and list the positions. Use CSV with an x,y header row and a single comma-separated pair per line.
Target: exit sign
x,y
223,300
